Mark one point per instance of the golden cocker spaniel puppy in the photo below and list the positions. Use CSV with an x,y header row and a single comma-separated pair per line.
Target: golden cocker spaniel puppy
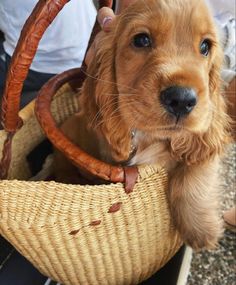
x,y
152,95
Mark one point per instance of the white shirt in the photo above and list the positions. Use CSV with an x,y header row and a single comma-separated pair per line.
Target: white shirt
x,y
64,43
222,6
224,12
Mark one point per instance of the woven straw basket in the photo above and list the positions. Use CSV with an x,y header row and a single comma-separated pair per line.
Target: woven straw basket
x,y
75,234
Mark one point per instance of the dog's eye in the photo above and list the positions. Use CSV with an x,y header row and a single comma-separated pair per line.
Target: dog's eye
x,y
205,47
142,40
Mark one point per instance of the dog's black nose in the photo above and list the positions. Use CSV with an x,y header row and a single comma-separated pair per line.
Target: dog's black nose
x,y
178,101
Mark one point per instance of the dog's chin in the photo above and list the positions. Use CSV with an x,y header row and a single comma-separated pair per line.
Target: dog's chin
x,y
188,124
170,131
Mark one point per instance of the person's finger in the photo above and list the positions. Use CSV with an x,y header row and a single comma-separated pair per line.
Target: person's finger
x,y
105,17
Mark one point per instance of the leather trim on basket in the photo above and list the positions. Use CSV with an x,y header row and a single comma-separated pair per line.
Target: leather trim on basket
x,y
131,176
32,32
41,17
78,157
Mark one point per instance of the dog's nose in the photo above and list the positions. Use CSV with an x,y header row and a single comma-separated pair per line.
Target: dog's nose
x,y
178,101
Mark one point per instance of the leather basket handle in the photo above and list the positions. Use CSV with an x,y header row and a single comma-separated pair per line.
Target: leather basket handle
x,y
43,14
77,156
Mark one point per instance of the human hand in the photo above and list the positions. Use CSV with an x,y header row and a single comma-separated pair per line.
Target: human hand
x,y
105,17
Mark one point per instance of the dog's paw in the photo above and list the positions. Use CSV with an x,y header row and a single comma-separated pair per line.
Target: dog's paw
x,y
204,237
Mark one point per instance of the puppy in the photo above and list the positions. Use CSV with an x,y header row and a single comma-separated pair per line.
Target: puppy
x,y
152,95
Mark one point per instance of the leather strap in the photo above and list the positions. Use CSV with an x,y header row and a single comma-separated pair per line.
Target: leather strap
x,y
42,16
42,109
78,157
131,176
33,30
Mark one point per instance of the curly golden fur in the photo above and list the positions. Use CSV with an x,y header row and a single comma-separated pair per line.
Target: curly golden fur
x,y
121,95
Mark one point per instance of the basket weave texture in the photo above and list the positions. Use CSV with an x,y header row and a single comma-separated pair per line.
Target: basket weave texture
x,y
85,234
91,234
31,134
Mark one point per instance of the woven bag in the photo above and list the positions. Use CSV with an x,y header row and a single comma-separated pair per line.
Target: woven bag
x,y
116,233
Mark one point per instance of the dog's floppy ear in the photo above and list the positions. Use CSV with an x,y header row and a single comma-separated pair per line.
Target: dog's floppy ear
x,y
196,148
99,97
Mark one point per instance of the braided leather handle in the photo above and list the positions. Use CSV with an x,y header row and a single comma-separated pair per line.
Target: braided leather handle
x,y
43,14
78,157
41,17
73,152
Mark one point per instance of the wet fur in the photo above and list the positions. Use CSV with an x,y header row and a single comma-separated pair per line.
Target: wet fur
x,y
121,94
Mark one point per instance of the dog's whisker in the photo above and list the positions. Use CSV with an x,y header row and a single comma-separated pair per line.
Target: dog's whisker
x,y
114,100
115,113
104,109
110,104
95,121
107,81
119,94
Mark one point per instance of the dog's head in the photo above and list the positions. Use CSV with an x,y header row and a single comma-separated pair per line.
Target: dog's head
x,y
157,71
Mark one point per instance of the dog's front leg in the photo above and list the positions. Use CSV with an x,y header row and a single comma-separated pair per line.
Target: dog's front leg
x,y
194,204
